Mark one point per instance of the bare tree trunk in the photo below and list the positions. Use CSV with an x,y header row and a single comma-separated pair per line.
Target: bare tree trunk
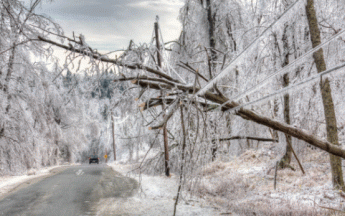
x,y
228,125
274,133
275,175
10,66
286,159
214,149
214,146
7,79
165,131
230,34
113,130
275,111
211,64
331,121
137,147
210,18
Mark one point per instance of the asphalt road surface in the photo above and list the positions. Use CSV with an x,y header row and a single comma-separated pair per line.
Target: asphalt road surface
x,y
74,191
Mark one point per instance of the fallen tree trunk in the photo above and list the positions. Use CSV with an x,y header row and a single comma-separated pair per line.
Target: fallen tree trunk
x,y
252,116
293,131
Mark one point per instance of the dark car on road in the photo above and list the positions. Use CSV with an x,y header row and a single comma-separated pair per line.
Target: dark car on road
x,y
93,159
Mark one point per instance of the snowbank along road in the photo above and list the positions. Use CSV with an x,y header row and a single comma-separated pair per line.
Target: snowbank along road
x,y
74,191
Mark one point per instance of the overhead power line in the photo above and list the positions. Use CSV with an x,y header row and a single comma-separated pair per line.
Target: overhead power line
x,y
228,69
283,70
286,89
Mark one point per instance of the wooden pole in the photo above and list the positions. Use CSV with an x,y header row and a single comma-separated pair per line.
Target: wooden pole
x,y
165,131
113,129
182,159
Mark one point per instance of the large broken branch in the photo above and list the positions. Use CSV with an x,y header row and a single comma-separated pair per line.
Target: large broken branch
x,y
293,131
252,116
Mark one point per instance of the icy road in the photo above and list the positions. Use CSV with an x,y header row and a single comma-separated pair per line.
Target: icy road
x,y
74,191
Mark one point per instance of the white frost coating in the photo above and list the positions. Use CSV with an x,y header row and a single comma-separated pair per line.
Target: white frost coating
x,y
84,45
282,70
284,90
249,47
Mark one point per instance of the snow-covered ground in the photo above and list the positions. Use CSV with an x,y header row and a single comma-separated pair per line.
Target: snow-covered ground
x,y
10,183
156,196
245,185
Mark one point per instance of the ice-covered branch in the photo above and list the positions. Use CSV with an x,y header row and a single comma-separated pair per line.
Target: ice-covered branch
x,y
103,58
246,137
169,113
138,78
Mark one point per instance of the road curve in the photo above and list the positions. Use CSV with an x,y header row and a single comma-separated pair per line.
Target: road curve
x,y
74,191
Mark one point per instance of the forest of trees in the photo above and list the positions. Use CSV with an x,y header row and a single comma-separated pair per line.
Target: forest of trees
x,y
241,73
48,115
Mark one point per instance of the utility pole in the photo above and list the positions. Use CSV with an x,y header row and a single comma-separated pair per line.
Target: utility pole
x,y
165,131
113,129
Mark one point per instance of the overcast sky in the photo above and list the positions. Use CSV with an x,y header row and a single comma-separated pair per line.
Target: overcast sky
x,y
110,24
